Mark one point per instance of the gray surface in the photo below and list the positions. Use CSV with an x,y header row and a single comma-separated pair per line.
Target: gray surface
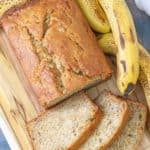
x,y
3,143
142,23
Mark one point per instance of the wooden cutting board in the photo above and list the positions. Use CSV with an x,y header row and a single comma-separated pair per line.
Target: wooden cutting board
x,y
17,107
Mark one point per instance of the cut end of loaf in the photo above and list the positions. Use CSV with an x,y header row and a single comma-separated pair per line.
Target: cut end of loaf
x,y
66,125
133,131
91,83
115,116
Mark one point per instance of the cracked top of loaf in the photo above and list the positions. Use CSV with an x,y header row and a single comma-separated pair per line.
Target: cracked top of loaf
x,y
56,49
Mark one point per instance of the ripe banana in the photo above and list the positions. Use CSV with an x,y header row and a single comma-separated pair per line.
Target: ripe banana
x,y
95,15
107,43
5,5
124,34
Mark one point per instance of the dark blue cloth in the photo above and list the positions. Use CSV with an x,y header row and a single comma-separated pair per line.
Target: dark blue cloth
x,y
3,143
142,23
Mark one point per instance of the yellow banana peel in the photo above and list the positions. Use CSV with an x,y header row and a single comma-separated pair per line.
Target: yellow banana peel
x,y
107,43
124,34
95,15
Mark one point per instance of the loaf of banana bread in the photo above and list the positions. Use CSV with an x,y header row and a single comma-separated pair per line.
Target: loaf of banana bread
x,y
56,49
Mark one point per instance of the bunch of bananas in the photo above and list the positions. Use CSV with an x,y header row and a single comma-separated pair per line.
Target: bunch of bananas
x,y
133,61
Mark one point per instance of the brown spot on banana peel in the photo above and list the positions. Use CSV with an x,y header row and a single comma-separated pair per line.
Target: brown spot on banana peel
x,y
133,69
100,15
122,84
132,35
129,89
122,41
123,65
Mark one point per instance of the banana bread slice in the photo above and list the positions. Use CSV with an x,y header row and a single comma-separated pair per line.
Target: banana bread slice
x,y
65,126
132,133
56,49
115,117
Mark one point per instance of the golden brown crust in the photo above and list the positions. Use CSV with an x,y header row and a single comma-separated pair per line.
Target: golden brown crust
x,y
14,6
88,131
56,48
142,106
123,121
141,132
97,116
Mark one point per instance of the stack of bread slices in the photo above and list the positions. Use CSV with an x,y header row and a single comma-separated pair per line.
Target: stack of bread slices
x,y
108,122
59,56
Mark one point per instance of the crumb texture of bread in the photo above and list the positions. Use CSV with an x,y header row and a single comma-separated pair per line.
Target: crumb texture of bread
x,y
63,125
55,47
115,114
132,133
